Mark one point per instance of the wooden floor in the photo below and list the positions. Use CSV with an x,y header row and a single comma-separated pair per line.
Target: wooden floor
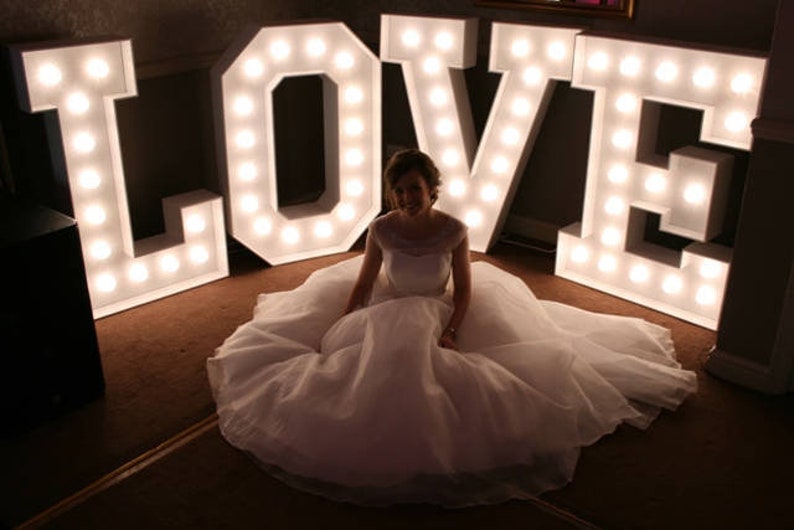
x,y
149,454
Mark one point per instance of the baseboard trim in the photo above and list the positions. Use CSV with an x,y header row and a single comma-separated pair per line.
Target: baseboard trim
x,y
731,368
530,228
130,468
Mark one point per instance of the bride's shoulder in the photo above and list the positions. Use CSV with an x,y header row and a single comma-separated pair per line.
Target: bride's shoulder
x,y
382,226
453,229
451,223
384,221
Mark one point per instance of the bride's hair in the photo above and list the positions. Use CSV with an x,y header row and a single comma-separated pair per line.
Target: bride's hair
x,y
407,160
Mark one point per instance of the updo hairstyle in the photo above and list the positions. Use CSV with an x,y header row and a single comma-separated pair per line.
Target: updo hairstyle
x,y
408,160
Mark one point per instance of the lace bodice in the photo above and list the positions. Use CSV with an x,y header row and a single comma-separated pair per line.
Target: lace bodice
x,y
417,266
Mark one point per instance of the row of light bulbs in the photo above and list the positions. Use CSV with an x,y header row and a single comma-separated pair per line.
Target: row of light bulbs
x,y
673,284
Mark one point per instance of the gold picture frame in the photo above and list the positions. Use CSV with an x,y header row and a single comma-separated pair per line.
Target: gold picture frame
x,y
597,8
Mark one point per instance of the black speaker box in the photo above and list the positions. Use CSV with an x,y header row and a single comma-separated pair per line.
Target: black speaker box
x,y
48,345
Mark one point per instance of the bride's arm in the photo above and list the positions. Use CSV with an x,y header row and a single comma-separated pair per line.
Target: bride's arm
x,y
461,295
366,276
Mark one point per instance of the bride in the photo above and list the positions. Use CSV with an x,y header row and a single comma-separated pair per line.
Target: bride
x,y
378,382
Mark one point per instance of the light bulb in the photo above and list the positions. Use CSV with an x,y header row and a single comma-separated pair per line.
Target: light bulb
x,y
520,48
354,188
89,179
444,41
500,165
557,51
614,205
323,229
346,212
520,107
95,215
280,50
97,68
622,139
438,97
243,106
411,38
344,60
704,77
262,226
666,72
106,282
736,122
510,136
78,103
655,183
598,61
138,272
169,263
580,254
101,250
450,157
532,75
742,83
672,284
353,95
630,66
457,188
618,174
199,255
290,235
607,264
354,157
695,194
710,269
49,75
249,203
444,127
247,171
354,126
489,193
253,68
195,223
706,295
639,274
431,65
626,103
245,139
610,236
84,142
316,47
473,218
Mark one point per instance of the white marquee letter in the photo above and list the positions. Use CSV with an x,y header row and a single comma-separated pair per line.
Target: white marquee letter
x,y
82,82
244,80
606,250
433,53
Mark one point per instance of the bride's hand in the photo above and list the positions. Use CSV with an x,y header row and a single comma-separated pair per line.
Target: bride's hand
x,y
447,340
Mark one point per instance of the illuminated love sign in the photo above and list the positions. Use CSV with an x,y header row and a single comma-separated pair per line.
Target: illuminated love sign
x,y
606,250
81,83
244,83
433,53
689,192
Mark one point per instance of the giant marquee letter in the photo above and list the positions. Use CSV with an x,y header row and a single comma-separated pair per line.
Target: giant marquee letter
x,y
244,80
606,250
82,82
433,52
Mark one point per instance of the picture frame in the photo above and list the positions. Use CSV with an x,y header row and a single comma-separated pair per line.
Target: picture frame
x,y
590,8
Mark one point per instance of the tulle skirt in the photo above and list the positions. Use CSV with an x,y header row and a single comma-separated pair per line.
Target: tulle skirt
x,y
368,408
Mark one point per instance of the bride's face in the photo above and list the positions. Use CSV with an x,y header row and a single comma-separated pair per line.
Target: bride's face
x,y
411,194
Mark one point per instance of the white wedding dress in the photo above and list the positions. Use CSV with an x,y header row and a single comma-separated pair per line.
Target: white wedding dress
x,y
368,408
